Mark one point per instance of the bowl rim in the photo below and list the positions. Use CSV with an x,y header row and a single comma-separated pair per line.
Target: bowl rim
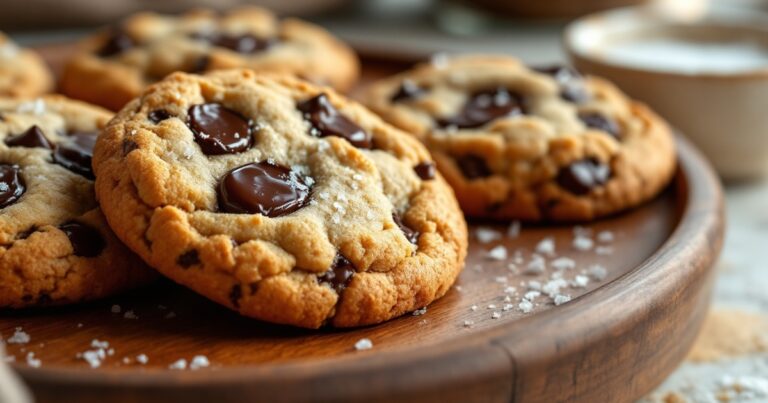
x,y
718,19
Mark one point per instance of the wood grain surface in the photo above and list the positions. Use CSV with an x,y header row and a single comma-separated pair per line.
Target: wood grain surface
x,y
614,341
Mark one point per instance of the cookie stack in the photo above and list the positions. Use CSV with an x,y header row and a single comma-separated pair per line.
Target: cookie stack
x,y
281,199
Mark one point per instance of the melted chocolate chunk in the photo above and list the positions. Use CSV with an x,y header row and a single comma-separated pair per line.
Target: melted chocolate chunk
x,y
485,106
76,154
410,234
425,170
339,275
571,83
262,188
473,167
242,43
408,90
601,122
32,137
327,121
12,185
200,65
158,115
580,177
188,259
235,294
219,130
119,41
86,241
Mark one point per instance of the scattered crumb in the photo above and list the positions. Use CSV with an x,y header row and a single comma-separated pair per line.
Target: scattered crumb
x,y
496,315
116,309
363,344
170,315
473,308
730,333
180,364
142,359
468,323
130,315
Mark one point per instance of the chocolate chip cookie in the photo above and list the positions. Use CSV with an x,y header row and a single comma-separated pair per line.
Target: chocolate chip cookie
x,y
115,65
279,199
55,246
23,73
530,143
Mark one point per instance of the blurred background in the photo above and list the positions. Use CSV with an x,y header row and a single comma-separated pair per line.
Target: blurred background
x,y
713,87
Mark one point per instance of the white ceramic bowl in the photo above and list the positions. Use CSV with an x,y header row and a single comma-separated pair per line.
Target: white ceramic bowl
x,y
719,101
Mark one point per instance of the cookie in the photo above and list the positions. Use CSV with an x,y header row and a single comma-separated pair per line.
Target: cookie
x,y
279,199
115,65
542,144
23,74
55,245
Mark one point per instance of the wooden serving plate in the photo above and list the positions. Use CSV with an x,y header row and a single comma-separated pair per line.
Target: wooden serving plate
x,y
613,342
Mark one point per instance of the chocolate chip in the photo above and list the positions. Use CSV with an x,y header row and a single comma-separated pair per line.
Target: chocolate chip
x,y
425,170
235,294
76,154
485,106
188,259
242,43
410,234
12,184
86,241
580,177
571,82
601,122
219,130
408,90
263,188
339,275
128,146
158,115
31,138
327,121
118,42
200,65
473,166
